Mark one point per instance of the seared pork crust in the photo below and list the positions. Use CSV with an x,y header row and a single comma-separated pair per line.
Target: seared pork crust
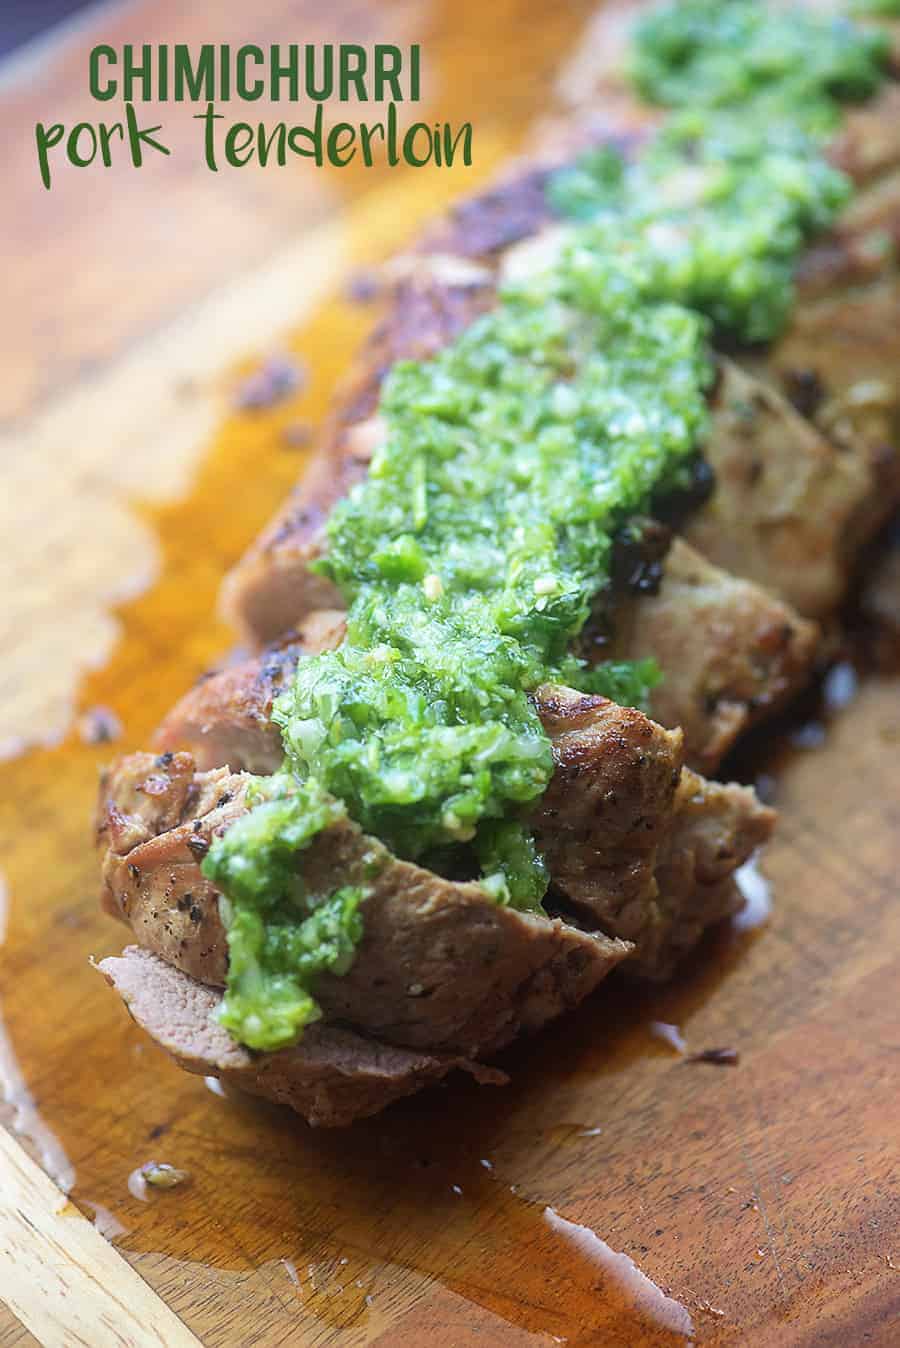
x,y
226,717
430,305
643,852
483,226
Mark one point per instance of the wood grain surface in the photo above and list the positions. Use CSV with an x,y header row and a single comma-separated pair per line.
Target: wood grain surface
x,y
761,1200
47,1242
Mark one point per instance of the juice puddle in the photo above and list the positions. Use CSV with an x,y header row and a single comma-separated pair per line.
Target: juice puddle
x,y
636,1293
24,1118
508,1260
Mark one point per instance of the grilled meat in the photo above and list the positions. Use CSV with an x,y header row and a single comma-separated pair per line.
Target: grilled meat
x,y
440,965
332,1076
443,975
755,654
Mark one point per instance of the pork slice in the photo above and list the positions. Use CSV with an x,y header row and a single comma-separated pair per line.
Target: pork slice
x,y
150,870
614,813
729,651
331,1077
137,808
440,965
786,500
717,827
608,808
843,347
639,847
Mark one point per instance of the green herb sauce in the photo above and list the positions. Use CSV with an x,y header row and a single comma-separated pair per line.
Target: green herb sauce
x,y
776,63
280,936
472,554
481,541
719,204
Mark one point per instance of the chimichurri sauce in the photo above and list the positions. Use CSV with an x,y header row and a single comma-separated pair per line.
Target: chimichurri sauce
x,y
719,203
795,64
475,551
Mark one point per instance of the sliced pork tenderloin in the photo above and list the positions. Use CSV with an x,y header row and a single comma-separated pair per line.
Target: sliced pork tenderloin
x,y
730,652
616,811
785,509
632,856
332,1076
440,964
638,849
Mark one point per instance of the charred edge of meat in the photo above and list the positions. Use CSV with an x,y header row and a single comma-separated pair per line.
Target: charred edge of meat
x,y
674,507
638,567
639,553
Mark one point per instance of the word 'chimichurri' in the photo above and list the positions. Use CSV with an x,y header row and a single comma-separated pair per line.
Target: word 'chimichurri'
x,y
478,546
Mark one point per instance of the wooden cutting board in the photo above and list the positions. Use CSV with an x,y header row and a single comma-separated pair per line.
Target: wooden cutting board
x,y
613,1193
